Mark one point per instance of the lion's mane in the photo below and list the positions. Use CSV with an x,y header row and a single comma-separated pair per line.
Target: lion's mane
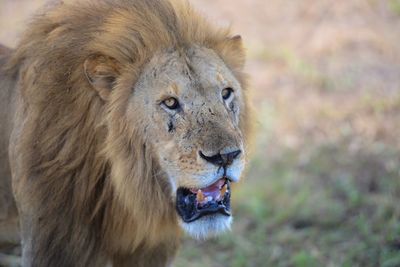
x,y
71,142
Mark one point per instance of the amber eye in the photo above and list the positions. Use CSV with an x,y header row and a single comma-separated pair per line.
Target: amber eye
x,y
227,93
171,103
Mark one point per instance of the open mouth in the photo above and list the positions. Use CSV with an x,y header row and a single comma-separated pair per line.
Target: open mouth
x,y
195,203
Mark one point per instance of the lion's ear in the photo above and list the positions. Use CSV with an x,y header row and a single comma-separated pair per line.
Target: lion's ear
x,y
101,72
233,52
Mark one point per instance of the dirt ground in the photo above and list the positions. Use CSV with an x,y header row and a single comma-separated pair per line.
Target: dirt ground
x,y
323,183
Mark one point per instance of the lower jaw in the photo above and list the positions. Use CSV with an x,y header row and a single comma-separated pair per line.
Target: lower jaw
x,y
207,226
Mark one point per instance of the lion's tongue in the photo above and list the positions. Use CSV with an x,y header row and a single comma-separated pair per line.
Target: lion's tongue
x,y
214,189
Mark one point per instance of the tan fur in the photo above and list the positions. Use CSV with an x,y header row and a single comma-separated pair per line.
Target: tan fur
x,y
8,212
89,184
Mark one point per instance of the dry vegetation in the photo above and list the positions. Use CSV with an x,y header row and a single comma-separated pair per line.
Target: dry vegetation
x,y
323,187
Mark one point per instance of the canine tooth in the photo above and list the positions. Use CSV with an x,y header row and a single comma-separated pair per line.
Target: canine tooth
x,y
200,196
224,190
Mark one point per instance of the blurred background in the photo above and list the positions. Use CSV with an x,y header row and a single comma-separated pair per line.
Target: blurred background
x,y
323,183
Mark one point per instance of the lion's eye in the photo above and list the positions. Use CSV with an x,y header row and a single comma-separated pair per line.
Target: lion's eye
x,y
227,93
171,103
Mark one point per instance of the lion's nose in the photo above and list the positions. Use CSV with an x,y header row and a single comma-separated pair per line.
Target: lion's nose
x,y
222,160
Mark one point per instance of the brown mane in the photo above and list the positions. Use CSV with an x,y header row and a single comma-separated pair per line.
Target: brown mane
x,y
67,150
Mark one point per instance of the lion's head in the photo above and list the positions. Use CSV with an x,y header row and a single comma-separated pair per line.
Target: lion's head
x,y
161,96
188,105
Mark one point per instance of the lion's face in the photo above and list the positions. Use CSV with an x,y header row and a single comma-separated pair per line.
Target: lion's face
x,y
190,104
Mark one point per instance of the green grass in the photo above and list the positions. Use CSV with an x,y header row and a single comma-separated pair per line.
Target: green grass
x,y
395,6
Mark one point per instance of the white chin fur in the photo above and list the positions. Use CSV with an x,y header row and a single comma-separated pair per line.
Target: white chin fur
x,y
207,226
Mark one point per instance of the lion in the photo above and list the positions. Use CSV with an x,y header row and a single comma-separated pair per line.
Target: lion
x,y
126,125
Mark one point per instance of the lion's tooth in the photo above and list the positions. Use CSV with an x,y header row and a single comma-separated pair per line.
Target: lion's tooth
x,y
224,189
200,196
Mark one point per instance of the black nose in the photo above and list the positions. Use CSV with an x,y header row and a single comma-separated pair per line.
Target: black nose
x,y
221,159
